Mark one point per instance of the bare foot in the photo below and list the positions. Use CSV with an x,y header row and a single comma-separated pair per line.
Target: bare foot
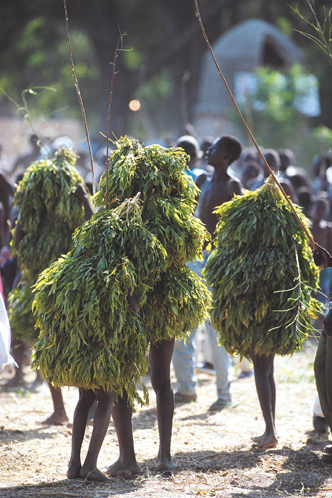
x,y
56,419
163,465
73,471
93,475
268,442
118,467
257,439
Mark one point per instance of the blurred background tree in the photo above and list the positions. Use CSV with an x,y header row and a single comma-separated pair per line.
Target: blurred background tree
x,y
160,65
280,107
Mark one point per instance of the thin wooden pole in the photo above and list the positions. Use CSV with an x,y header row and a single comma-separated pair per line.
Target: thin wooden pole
x,y
108,118
311,240
80,99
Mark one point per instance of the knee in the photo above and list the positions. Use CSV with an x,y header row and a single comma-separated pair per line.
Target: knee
x,y
161,383
104,398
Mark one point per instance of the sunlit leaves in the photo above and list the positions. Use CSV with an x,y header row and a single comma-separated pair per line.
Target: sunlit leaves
x,y
262,275
89,335
48,213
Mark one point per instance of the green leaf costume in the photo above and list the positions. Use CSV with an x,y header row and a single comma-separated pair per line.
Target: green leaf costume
x,y
89,335
178,302
48,213
262,275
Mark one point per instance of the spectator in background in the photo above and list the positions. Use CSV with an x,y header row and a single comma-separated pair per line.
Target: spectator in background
x,y
273,160
319,167
191,146
287,158
304,199
215,191
4,335
251,173
204,145
322,234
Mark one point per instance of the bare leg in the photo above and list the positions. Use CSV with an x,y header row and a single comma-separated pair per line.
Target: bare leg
x,y
266,390
122,414
83,406
160,361
101,421
273,388
59,415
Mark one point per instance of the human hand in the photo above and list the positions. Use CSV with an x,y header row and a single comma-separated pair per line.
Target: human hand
x,y
328,323
321,257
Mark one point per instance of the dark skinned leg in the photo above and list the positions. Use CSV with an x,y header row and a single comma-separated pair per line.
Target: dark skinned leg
x,y
59,415
265,386
101,422
160,360
83,406
273,388
122,415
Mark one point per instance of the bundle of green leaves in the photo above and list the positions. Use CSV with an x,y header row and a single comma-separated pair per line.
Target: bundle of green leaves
x,y
48,211
89,336
22,321
176,304
262,275
139,244
179,301
167,192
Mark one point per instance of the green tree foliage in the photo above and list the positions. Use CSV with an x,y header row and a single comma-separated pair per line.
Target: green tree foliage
x,y
164,42
164,36
275,112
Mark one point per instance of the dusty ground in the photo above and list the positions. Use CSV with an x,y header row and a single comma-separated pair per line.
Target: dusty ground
x,y
214,453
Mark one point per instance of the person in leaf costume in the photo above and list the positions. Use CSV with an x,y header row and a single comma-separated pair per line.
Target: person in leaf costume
x,y
51,201
262,275
177,302
90,335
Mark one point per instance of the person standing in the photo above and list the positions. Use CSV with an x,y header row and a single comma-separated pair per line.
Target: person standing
x,y
215,190
323,359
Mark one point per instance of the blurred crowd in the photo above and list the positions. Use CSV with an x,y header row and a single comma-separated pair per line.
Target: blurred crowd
x,y
309,187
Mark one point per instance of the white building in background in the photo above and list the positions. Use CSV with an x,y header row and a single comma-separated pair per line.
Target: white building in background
x,y
241,50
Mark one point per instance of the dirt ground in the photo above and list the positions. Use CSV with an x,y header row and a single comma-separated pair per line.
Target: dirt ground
x,y
214,452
